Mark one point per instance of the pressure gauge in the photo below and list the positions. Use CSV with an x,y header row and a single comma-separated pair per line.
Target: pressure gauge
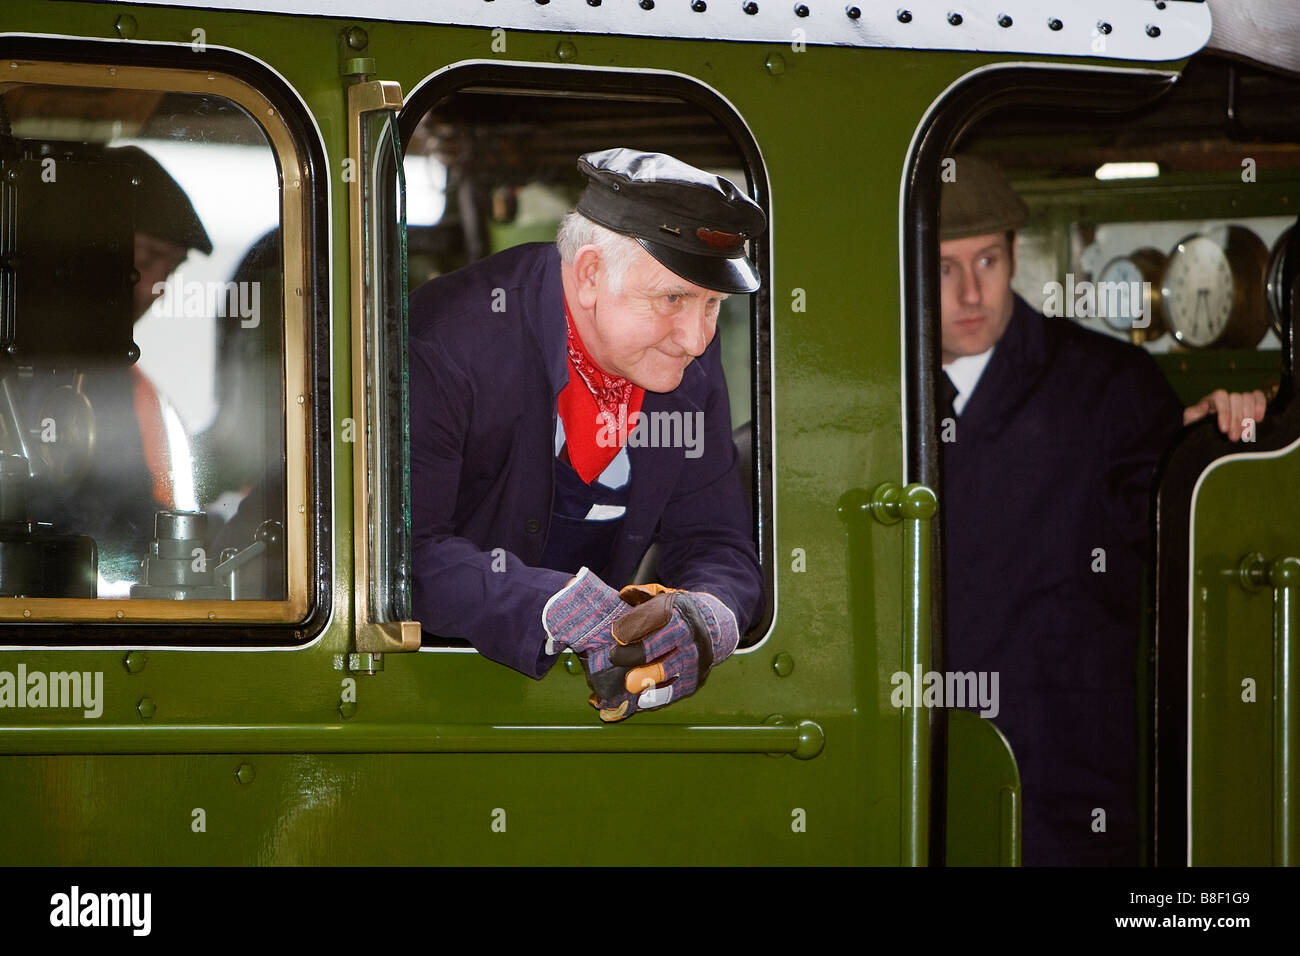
x,y
1128,295
1213,289
1276,283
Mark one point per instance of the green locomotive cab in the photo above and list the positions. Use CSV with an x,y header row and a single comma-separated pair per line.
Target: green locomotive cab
x,y
213,214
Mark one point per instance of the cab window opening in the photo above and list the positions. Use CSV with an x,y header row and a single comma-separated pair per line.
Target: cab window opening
x,y
489,167
1142,254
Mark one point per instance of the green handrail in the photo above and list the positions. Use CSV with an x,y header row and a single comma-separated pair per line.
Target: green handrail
x,y
803,740
915,504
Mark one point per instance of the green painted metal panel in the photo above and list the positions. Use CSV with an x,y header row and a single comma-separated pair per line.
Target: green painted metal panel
x,y
1234,745
983,794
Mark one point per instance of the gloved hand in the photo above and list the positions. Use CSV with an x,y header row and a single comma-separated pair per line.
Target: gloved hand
x,y
580,617
665,647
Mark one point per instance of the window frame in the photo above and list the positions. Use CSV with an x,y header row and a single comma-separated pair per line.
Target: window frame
x,y
294,139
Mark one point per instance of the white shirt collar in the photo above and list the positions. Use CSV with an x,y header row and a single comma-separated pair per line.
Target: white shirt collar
x,y
965,372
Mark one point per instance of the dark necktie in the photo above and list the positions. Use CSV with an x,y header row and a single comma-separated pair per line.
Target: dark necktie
x,y
946,397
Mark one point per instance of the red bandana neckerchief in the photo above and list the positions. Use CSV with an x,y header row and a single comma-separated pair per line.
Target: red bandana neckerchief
x,y
595,408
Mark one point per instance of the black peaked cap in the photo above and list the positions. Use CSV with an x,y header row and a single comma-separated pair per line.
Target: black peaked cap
x,y
162,209
692,222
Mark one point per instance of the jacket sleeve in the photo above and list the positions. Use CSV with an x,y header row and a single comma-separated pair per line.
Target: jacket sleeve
x,y
706,534
1145,418
490,598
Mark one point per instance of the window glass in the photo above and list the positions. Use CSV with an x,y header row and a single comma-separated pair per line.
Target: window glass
x,y
142,420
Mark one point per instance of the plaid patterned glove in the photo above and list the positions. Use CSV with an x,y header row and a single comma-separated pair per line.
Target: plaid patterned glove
x,y
666,646
580,618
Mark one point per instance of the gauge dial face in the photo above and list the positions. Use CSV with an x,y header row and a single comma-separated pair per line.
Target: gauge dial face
x,y
1198,291
1118,281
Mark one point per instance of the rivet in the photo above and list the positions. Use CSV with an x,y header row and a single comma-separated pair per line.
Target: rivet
x,y
1004,21
751,8
212,615
853,13
1153,30
954,18
801,9
135,661
904,16
783,664
1103,27
13,66
1054,24
26,612
593,3
1160,4
245,773
297,183
347,708
532,526
146,707
565,50
775,64
699,6
541,3
125,26
302,399
356,38
121,614
112,71
647,4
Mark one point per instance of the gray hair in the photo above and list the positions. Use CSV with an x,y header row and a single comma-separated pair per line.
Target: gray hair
x,y
617,252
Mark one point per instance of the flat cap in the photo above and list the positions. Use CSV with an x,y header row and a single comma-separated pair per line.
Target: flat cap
x,y
692,222
162,209
979,201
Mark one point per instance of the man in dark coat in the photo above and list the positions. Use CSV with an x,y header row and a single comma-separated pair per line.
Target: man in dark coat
x,y
1048,465
569,409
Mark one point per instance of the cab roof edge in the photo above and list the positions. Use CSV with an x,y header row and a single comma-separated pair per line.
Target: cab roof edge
x,y
1155,30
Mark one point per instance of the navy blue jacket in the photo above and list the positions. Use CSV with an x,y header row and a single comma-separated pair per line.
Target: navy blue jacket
x,y
488,360
1053,459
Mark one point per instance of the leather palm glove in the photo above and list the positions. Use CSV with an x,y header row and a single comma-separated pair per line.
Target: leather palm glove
x,y
580,617
664,649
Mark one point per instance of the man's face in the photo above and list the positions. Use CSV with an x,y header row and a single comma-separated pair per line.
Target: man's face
x,y
654,327
975,286
155,260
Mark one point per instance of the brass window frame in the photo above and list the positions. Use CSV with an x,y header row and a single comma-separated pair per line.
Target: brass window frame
x,y
299,462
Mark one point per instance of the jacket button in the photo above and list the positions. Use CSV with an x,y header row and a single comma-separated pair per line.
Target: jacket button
x,y
532,526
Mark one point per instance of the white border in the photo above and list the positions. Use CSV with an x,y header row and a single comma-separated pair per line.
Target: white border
x,y
332,491
771,208
1191,596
